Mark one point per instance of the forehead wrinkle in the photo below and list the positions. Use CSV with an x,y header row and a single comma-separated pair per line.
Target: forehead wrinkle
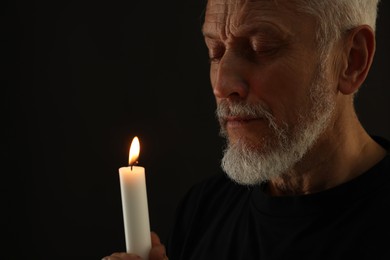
x,y
258,13
222,14
228,16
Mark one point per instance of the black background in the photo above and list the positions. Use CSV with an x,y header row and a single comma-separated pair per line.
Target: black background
x,y
81,79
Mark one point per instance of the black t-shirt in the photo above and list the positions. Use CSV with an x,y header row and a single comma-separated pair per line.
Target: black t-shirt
x,y
219,219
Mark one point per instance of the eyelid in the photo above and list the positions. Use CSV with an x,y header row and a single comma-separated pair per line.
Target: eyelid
x,y
260,44
216,50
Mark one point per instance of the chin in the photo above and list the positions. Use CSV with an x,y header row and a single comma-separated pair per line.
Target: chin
x,y
260,143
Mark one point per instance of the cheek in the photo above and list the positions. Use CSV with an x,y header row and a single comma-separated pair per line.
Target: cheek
x,y
284,89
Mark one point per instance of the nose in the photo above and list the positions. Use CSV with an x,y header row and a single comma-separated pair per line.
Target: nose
x,y
229,77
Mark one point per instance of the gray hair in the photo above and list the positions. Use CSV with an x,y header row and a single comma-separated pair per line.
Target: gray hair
x,y
335,17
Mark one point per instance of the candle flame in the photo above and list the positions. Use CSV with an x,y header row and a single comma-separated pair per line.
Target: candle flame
x,y
134,151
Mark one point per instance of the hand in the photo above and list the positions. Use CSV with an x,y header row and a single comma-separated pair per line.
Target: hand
x,y
156,253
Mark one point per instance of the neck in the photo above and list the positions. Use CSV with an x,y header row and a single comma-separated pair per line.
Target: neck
x,y
342,153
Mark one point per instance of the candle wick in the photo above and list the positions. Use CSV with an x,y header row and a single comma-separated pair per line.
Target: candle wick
x,y
134,163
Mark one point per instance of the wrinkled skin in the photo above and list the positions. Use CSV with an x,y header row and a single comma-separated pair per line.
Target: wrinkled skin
x,y
265,52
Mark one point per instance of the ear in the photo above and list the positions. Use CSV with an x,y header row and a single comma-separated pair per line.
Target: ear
x,y
359,52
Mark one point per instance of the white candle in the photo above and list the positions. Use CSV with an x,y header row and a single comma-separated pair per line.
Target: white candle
x,y
135,205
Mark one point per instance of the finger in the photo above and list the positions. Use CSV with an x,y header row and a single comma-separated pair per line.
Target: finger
x,y
158,253
155,239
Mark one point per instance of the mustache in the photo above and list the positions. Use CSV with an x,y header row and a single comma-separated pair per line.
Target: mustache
x,y
242,109
260,110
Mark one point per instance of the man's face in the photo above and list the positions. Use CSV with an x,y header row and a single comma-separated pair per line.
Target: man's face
x,y
268,82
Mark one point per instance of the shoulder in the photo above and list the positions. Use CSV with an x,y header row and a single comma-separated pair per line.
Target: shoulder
x,y
381,170
382,142
379,174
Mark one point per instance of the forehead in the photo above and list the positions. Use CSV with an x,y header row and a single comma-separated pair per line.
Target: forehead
x,y
230,17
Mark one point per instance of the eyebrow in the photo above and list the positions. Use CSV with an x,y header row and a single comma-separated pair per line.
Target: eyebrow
x,y
265,27
209,35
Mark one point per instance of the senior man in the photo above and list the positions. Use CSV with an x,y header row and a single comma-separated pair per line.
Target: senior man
x,y
304,180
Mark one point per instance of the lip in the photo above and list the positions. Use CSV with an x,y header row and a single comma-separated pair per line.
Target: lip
x,y
240,121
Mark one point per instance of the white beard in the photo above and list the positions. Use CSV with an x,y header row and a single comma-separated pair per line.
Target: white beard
x,y
250,164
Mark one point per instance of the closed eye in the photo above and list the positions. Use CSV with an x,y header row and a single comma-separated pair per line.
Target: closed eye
x,y
216,50
216,53
266,47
